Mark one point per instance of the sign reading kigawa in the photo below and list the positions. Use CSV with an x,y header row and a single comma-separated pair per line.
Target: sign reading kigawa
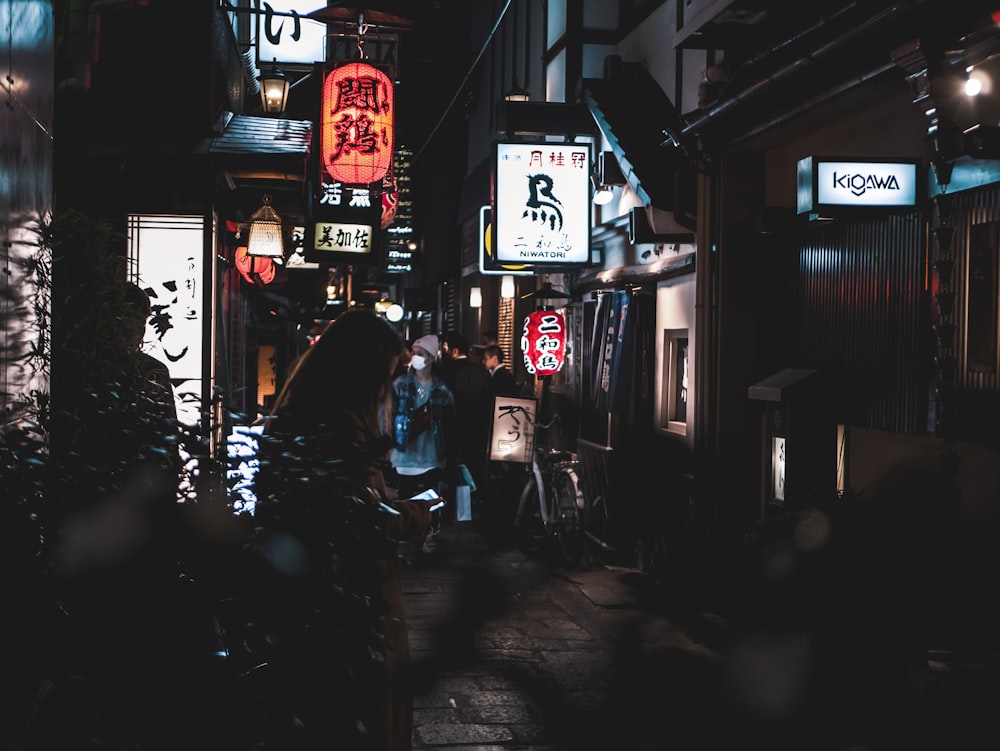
x,y
826,183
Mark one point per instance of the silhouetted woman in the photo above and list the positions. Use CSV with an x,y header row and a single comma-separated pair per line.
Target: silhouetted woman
x,y
332,534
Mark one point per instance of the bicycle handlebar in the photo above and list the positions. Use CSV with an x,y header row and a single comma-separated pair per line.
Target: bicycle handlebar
x,y
546,425
535,422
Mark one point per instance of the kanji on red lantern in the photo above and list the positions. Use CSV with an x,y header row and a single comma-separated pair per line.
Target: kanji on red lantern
x,y
356,127
543,341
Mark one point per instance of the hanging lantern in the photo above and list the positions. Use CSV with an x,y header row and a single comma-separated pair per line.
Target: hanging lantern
x,y
250,266
390,199
543,342
265,236
356,127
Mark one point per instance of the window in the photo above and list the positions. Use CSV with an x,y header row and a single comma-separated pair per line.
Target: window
x,y
675,363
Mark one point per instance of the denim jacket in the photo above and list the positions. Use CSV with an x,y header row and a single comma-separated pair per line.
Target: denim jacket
x,y
442,410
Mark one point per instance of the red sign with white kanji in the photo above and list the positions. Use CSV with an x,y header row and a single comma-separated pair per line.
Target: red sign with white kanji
x,y
543,342
356,126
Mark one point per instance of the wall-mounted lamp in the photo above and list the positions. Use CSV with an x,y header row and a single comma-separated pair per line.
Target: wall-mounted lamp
x,y
265,236
507,286
607,174
516,94
603,195
273,90
475,297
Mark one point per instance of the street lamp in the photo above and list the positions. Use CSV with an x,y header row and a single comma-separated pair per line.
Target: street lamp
x,y
273,90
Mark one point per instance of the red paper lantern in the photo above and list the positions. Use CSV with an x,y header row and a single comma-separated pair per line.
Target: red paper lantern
x,y
250,266
356,127
543,341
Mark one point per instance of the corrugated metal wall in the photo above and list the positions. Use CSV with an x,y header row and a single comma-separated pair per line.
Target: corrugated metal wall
x,y
862,308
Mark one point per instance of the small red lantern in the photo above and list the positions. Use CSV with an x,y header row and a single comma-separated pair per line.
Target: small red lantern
x,y
390,199
261,267
356,127
543,341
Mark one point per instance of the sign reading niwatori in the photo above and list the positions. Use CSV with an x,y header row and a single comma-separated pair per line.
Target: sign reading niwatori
x,y
541,204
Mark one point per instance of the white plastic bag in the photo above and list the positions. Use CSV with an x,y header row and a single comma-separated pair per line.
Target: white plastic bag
x,y
463,503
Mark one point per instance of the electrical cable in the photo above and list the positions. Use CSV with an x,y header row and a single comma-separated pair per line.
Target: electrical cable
x,y
468,75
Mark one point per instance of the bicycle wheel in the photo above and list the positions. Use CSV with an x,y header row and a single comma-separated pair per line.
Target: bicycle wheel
x,y
529,529
567,502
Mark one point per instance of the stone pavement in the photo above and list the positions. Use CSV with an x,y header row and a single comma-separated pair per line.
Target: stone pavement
x,y
514,652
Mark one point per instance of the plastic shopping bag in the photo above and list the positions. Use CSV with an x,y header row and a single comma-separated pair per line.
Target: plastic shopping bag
x,y
466,477
463,503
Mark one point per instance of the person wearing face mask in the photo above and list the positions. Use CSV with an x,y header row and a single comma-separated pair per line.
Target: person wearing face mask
x,y
423,413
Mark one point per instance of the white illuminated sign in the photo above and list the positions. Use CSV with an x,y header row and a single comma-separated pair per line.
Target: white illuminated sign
x,y
778,468
512,436
826,183
167,255
542,203
286,36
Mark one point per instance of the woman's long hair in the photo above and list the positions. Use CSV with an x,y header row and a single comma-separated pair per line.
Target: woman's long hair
x,y
347,372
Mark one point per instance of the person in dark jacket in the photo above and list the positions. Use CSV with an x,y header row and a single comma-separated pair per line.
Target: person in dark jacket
x,y
502,382
470,384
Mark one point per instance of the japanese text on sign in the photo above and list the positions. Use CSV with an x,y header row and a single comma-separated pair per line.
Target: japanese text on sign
x,y
513,429
543,342
347,238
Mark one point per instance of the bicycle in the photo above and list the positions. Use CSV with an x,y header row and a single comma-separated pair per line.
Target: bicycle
x,y
551,504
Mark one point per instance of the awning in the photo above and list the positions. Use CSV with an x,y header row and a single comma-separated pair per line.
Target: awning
x,y
263,148
638,119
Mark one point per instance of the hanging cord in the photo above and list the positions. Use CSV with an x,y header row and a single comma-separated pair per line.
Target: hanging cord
x,y
362,30
465,80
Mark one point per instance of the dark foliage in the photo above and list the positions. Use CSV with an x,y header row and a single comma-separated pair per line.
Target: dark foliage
x,y
142,623
305,619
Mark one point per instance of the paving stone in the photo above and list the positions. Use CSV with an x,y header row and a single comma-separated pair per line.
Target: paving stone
x,y
501,713
450,735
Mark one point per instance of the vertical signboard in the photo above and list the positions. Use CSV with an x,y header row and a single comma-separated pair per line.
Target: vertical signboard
x,y
542,204
512,437
166,256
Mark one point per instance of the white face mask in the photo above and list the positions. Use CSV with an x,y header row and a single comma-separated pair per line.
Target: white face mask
x,y
419,362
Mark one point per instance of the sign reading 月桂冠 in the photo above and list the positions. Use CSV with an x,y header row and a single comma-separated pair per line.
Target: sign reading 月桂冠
x,y
542,209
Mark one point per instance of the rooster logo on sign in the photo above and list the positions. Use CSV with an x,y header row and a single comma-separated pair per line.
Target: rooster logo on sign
x,y
542,206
